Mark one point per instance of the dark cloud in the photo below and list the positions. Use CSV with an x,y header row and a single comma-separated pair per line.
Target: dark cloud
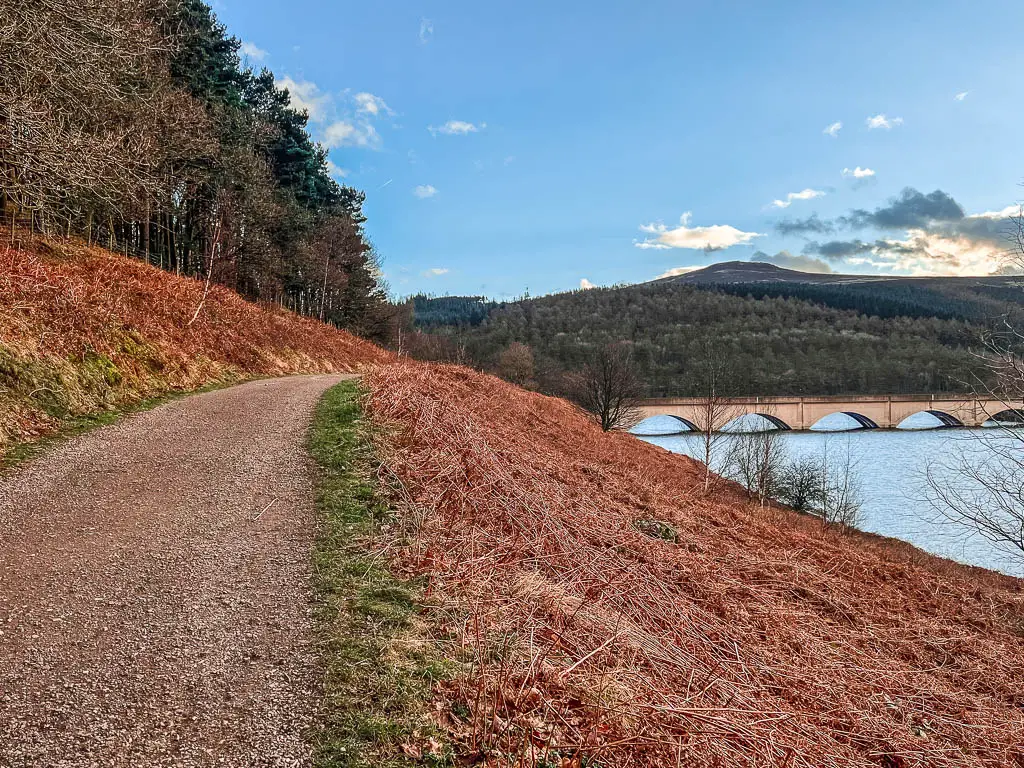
x,y
911,210
802,226
837,249
788,260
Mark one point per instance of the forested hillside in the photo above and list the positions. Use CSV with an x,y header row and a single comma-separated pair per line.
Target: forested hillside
x,y
134,125
773,337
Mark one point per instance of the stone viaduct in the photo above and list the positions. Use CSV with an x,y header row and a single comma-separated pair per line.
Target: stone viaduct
x,y
871,411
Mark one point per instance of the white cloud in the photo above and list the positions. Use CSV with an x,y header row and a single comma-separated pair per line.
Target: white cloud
x,y
426,30
807,194
457,128
368,104
423,191
713,238
652,245
586,285
1009,212
435,272
252,51
307,96
961,96
335,170
345,133
881,121
833,130
858,173
677,271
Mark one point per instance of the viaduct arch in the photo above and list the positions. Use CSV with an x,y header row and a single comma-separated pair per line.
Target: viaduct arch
x,y
869,411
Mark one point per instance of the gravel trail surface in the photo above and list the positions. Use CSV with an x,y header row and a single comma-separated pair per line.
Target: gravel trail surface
x,y
154,588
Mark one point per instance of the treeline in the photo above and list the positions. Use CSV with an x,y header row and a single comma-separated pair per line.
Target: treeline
x,y
132,123
771,344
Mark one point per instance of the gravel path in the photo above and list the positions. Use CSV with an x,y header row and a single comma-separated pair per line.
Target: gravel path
x,y
154,588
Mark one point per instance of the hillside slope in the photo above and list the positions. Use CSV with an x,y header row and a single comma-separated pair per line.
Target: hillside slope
x,y
611,610
602,610
773,343
83,330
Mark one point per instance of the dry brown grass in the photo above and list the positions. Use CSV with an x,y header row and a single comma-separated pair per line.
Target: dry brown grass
x,y
82,329
758,639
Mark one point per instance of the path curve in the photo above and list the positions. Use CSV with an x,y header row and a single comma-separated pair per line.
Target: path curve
x,y
149,613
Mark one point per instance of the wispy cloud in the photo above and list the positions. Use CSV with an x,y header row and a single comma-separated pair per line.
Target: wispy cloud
x,y
833,130
435,272
345,121
426,30
306,96
586,285
881,121
711,238
858,173
253,51
368,104
807,194
423,191
336,171
457,128
961,96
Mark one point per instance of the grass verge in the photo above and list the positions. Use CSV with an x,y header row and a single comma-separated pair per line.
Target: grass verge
x,y
379,667
23,450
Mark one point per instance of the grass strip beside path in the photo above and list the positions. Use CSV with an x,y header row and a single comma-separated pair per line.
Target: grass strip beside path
x,y
379,667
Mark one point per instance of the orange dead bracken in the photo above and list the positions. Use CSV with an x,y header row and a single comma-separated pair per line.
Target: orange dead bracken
x,y
753,638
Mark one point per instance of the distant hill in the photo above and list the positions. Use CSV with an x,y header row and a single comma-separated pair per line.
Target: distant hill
x,y
781,331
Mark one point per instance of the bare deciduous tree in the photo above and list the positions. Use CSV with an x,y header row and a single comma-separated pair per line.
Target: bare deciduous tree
x,y
839,494
609,387
515,364
715,408
758,461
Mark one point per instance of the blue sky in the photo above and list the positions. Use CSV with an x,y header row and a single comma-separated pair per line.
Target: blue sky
x,y
505,146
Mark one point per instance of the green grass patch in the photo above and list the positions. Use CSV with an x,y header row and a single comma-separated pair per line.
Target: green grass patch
x,y
379,666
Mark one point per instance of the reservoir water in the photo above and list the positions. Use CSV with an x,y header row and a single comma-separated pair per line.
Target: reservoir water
x,y
889,467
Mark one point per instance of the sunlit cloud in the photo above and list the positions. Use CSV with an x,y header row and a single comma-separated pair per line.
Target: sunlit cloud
x,y
798,262
345,133
306,96
586,285
368,104
677,271
833,130
961,96
435,272
423,191
712,238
